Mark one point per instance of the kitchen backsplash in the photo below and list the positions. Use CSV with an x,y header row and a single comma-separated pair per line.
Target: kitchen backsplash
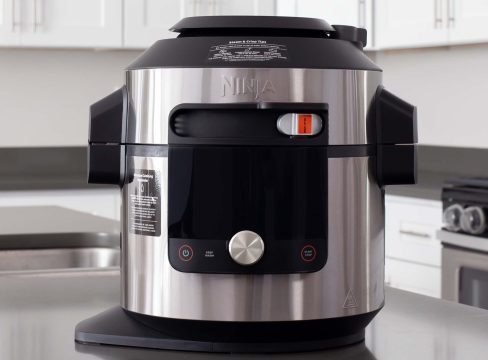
x,y
45,94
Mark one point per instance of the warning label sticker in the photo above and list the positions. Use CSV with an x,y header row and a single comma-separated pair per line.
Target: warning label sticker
x,y
145,203
247,50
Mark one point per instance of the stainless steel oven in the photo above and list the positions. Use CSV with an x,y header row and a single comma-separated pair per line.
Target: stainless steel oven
x,y
464,268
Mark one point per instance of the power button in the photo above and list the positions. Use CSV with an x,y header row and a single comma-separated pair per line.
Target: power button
x,y
185,253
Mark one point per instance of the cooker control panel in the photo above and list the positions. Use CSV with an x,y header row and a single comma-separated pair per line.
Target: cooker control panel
x,y
246,253
248,188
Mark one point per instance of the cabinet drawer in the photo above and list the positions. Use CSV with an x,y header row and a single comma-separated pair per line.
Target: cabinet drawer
x,y
420,279
410,228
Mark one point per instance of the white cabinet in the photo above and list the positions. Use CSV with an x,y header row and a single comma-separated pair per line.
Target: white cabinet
x,y
412,250
410,229
9,23
410,23
467,21
417,278
72,23
345,12
146,21
418,23
61,23
240,7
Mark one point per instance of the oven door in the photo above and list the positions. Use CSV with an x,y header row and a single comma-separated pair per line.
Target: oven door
x,y
465,270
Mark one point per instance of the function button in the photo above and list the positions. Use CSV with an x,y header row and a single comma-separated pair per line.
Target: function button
x,y
185,253
308,253
295,124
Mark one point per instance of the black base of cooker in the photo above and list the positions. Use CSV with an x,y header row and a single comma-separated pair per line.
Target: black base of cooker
x,y
116,326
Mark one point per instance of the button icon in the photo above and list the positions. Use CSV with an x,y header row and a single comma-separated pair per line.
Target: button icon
x,y
308,253
185,253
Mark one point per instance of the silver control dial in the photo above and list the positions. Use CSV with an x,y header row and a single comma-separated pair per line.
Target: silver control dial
x,y
246,247
452,217
473,220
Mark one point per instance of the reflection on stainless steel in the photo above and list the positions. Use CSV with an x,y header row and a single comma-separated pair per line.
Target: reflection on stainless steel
x,y
48,252
155,92
151,285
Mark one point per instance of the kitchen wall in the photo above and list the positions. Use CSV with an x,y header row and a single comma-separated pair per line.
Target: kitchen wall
x,y
449,86
45,94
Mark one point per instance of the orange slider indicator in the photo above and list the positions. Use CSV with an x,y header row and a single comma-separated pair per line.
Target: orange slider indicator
x,y
304,124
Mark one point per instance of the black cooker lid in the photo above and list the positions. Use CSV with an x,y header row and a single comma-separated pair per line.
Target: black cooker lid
x,y
267,26
302,43
224,23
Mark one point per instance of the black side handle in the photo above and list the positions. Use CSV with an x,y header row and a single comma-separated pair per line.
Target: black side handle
x,y
396,136
106,164
107,135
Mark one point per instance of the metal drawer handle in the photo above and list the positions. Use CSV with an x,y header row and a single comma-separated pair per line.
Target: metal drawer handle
x,y
437,14
415,233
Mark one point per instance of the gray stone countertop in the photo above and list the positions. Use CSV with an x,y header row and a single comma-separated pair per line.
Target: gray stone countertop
x,y
38,314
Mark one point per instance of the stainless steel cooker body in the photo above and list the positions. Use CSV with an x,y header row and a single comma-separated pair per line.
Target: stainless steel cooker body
x,y
352,280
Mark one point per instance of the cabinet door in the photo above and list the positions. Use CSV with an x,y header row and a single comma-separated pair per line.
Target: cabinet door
x,y
410,230
239,7
420,279
345,12
467,20
146,21
72,23
9,23
413,23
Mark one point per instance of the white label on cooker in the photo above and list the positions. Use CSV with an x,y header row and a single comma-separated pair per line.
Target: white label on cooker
x,y
247,50
145,203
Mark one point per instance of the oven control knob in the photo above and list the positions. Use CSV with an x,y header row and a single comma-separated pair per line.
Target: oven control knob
x,y
246,247
452,217
473,220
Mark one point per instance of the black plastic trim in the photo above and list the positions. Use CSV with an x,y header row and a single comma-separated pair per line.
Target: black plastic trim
x,y
346,151
108,131
397,164
108,118
257,331
117,326
333,151
396,119
106,164
359,36
394,124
